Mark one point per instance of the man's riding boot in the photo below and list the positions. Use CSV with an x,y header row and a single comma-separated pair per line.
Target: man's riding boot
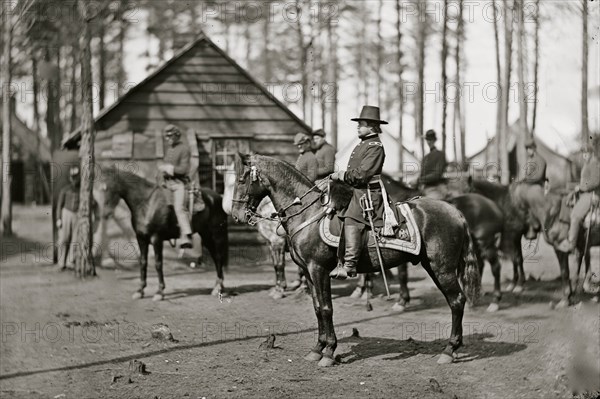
x,y
186,241
353,236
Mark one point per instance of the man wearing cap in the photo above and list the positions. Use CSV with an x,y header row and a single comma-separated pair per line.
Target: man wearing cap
x,y
432,182
365,164
306,162
175,171
589,192
325,154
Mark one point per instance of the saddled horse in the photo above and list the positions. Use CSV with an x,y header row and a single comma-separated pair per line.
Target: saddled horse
x,y
267,227
515,226
446,252
153,220
485,222
546,218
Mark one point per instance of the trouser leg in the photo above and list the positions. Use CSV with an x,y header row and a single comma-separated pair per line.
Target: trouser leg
x,y
581,208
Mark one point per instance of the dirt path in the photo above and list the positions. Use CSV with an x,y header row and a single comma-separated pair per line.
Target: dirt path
x,y
62,337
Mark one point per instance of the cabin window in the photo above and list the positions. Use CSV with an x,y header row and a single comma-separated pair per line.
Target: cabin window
x,y
223,155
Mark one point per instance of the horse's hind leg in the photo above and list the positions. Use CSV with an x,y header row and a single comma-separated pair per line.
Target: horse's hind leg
x,y
404,295
158,263
143,244
492,257
447,282
519,273
212,245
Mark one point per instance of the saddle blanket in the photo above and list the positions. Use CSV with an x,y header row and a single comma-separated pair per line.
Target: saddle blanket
x,y
330,230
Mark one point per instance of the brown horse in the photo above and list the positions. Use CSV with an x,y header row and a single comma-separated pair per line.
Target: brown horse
x,y
446,253
485,222
154,221
547,219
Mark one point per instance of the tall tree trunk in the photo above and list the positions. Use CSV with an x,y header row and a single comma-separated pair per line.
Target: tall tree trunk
x,y
459,113
379,53
36,127
420,98
248,39
52,127
584,75
523,129
333,69
6,173
444,76
499,85
84,260
303,63
101,65
400,86
536,67
508,32
121,52
266,43
74,100
362,62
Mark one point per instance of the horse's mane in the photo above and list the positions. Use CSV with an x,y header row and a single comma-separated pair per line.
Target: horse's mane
x,y
118,175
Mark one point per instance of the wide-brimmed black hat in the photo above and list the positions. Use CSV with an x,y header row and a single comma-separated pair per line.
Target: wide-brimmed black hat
x,y
370,113
430,135
319,132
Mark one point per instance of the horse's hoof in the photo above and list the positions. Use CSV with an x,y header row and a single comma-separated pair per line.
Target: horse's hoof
x,y
137,295
445,359
277,294
313,356
494,307
326,362
562,304
518,289
215,291
158,297
356,294
510,287
398,307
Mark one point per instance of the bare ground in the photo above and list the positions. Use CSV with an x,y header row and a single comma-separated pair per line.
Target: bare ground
x,y
63,337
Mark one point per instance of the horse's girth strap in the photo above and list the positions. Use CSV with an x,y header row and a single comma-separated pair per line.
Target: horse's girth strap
x,y
308,222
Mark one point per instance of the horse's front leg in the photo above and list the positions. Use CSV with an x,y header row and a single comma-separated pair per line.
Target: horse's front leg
x,y
157,243
316,353
322,289
519,272
143,244
563,261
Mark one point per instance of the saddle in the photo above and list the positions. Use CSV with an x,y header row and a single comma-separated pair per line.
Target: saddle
x,y
193,202
569,201
405,236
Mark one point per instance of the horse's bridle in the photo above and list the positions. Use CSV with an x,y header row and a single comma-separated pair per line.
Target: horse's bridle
x,y
280,216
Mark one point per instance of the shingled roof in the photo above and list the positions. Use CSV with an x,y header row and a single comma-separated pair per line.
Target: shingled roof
x,y
199,88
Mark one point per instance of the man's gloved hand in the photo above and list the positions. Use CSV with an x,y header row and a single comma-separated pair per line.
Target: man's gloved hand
x,y
339,175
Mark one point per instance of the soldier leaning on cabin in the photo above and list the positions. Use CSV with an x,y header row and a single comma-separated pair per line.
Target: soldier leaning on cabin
x,y
325,154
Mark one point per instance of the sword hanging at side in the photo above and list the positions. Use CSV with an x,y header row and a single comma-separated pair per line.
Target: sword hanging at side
x,y
367,205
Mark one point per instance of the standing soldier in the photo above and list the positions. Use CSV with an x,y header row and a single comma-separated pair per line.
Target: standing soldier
x,y
364,166
432,182
325,154
175,171
67,207
306,162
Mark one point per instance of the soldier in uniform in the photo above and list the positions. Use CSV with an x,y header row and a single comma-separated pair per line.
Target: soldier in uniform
x,y
365,164
175,171
432,182
530,189
589,190
325,154
306,162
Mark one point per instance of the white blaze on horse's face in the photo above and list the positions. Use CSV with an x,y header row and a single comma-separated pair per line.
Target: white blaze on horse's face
x,y
229,186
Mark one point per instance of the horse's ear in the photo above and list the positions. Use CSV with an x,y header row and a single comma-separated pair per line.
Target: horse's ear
x,y
242,158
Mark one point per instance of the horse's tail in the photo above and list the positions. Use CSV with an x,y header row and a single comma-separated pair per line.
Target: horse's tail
x,y
468,272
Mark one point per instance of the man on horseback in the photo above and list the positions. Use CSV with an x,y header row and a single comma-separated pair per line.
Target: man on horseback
x,y
175,171
306,162
364,167
325,154
589,190
432,182
530,187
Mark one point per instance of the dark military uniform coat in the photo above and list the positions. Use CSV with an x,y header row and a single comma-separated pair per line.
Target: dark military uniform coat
x,y
365,162
433,167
